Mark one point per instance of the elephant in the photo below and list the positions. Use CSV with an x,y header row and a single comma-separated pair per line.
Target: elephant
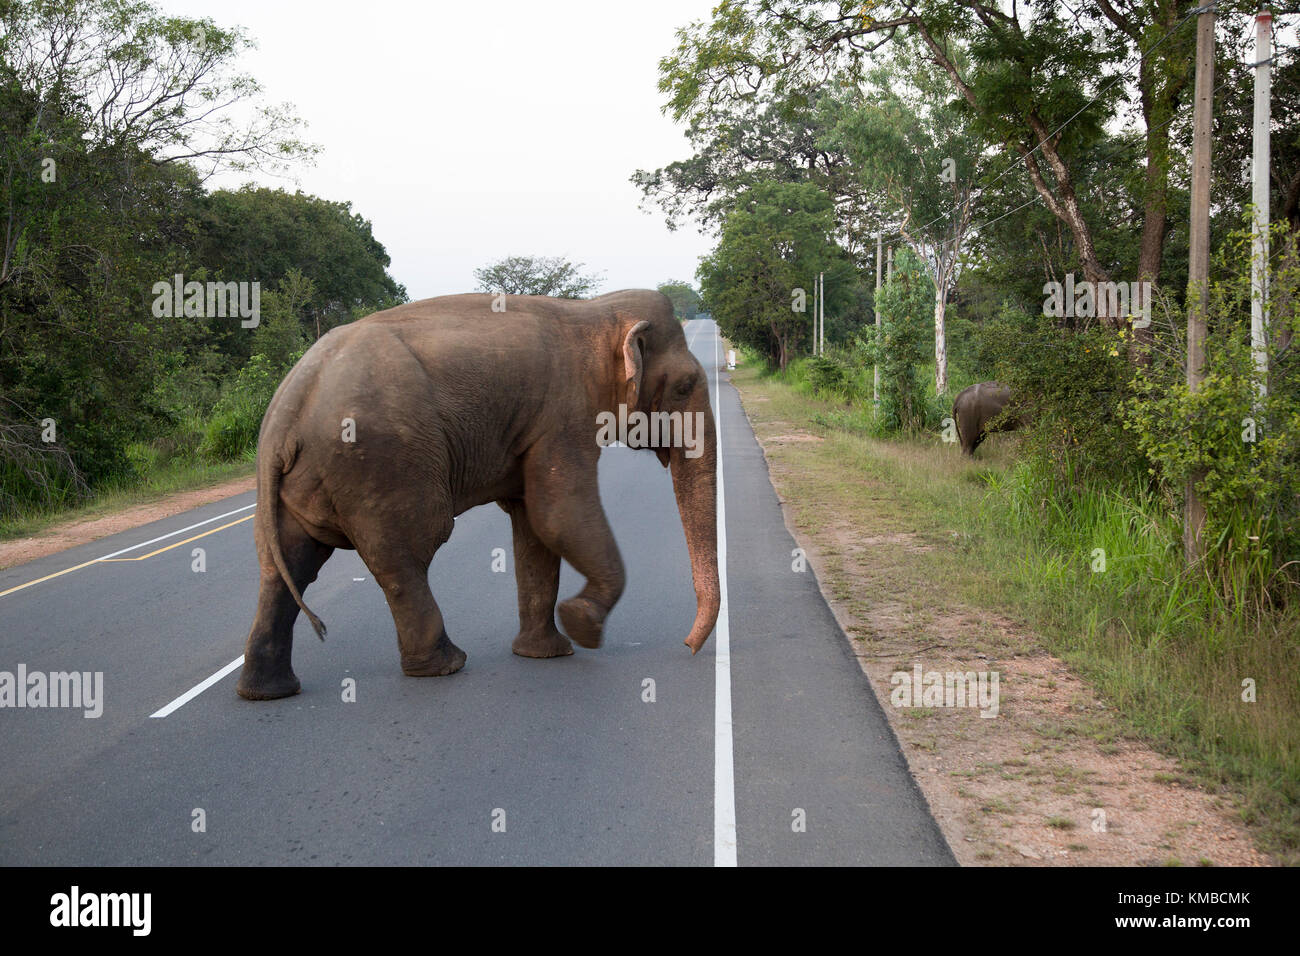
x,y
389,427
975,407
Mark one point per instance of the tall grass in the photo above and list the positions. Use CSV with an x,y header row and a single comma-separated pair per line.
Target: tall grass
x,y
1178,650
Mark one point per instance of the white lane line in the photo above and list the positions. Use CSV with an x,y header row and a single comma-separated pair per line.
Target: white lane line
x,y
724,770
197,689
172,534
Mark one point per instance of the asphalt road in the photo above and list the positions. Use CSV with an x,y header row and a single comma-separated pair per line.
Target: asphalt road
x,y
510,761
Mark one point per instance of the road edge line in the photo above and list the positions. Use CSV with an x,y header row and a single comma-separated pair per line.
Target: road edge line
x,y
724,769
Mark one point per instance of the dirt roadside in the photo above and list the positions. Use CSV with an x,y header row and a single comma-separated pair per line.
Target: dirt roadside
x,y
1052,780
77,531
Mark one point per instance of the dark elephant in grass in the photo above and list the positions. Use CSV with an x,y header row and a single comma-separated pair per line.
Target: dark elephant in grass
x,y
974,410
391,426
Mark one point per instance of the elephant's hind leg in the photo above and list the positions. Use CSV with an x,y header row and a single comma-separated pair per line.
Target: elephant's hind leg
x,y
422,638
268,670
401,568
398,549
537,576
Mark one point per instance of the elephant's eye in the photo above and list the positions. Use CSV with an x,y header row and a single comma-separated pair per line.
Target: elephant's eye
x,y
685,387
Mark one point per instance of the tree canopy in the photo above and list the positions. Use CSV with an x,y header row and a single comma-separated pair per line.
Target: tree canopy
x,y
537,275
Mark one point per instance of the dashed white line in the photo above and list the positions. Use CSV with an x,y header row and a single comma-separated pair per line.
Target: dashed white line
x,y
197,689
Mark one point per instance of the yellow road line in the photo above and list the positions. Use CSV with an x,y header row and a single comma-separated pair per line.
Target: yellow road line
x,y
86,564
48,576
170,546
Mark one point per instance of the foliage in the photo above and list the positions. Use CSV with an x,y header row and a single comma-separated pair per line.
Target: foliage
x,y
686,301
237,417
1069,387
759,280
112,116
1241,449
906,307
537,275
255,234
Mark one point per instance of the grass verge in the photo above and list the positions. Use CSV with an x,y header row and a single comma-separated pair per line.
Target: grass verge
x,y
154,483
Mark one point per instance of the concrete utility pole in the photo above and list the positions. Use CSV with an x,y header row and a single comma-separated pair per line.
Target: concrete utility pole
x,y
814,316
875,391
1259,196
821,304
1198,266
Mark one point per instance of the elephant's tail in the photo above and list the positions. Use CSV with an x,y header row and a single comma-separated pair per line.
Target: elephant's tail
x,y
268,495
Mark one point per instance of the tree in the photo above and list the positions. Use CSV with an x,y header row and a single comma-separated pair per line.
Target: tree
x,y
279,336
686,301
259,234
743,143
905,303
758,280
915,152
111,117
537,275
1043,80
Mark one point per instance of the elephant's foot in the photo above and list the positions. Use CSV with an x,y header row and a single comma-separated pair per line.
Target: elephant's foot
x,y
583,620
445,658
253,686
546,643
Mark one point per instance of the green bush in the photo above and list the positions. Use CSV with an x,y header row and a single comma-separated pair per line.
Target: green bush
x,y
1068,389
1241,449
827,373
232,430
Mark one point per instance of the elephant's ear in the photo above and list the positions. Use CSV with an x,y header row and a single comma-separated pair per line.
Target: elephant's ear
x,y
633,358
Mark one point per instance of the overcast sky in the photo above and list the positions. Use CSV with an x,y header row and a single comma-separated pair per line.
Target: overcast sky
x,y
467,132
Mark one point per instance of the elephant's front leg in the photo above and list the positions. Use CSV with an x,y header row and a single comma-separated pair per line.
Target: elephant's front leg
x,y
563,505
537,576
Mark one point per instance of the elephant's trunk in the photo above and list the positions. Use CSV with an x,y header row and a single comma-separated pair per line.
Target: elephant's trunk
x,y
695,482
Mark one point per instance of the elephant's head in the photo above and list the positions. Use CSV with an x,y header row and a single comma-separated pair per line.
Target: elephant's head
x,y
656,375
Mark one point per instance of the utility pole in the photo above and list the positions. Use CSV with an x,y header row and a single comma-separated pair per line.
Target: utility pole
x,y
875,391
1259,196
1198,266
814,316
821,304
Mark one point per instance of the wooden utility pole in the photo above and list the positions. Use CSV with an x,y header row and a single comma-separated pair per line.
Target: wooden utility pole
x,y
875,392
1259,196
1198,267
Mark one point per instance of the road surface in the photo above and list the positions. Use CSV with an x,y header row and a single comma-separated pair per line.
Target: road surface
x,y
767,748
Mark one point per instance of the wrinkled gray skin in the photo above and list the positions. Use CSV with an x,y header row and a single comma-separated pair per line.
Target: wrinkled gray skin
x,y
974,409
454,406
